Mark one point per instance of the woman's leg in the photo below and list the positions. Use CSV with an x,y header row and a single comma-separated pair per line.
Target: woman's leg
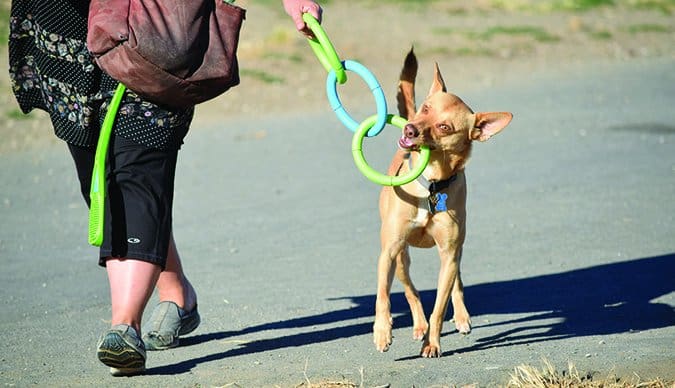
x,y
173,285
176,314
131,285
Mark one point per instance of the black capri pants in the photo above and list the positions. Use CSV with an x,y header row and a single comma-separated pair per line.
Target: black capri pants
x,y
139,198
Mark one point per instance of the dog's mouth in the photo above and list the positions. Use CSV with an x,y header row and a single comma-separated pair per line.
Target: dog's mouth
x,y
407,144
410,138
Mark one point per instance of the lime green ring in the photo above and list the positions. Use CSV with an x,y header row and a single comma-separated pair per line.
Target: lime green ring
x,y
324,49
376,176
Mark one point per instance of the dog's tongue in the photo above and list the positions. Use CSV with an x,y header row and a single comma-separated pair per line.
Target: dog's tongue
x,y
405,143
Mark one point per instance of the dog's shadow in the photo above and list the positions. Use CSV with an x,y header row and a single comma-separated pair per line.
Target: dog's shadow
x,y
600,300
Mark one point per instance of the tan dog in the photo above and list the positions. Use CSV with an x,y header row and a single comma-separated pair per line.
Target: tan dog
x,y
430,210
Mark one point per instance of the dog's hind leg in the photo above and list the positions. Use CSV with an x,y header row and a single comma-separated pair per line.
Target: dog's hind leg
x,y
420,325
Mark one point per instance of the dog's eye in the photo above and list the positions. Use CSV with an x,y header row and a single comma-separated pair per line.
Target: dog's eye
x,y
444,127
425,109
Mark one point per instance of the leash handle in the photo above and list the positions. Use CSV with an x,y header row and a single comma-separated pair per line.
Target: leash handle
x,y
323,48
97,190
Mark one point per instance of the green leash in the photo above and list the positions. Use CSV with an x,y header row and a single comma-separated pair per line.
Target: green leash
x,y
98,186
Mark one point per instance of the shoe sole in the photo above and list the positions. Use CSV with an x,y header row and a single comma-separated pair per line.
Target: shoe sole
x,y
122,359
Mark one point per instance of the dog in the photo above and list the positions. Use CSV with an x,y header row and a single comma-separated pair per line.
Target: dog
x,y
430,210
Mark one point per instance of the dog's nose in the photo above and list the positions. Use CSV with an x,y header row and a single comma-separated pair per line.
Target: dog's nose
x,y
410,131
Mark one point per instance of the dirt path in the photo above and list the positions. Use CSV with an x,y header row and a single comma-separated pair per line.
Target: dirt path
x,y
569,253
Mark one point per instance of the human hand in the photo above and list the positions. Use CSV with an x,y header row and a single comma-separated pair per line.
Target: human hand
x,y
295,9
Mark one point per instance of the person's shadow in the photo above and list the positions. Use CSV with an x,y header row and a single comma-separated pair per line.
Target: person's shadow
x,y
599,300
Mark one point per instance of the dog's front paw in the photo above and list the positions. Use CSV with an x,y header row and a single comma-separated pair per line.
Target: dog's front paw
x,y
431,350
382,336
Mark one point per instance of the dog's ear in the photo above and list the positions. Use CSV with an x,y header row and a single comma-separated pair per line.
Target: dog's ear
x,y
488,124
406,87
438,85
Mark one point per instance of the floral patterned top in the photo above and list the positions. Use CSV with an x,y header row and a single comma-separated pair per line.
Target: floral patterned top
x,y
52,70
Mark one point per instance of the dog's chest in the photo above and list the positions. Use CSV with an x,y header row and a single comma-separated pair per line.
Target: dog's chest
x,y
422,215
427,207
432,198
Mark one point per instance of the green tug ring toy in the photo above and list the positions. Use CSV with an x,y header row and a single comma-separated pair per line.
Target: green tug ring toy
x,y
371,173
323,49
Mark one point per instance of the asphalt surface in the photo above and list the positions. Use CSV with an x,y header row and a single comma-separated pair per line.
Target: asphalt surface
x,y
570,254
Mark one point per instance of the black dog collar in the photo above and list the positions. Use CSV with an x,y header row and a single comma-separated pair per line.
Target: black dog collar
x,y
437,199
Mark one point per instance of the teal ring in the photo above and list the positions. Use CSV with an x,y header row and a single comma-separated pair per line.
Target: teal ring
x,y
375,88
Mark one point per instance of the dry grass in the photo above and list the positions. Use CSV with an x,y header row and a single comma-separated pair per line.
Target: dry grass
x,y
526,376
328,384
523,376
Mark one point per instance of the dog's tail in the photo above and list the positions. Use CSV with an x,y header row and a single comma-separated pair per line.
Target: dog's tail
x,y
406,86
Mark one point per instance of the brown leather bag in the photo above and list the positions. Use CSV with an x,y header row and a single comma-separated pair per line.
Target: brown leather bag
x,y
176,53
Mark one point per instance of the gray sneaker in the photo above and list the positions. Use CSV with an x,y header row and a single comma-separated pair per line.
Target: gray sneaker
x,y
167,323
122,350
